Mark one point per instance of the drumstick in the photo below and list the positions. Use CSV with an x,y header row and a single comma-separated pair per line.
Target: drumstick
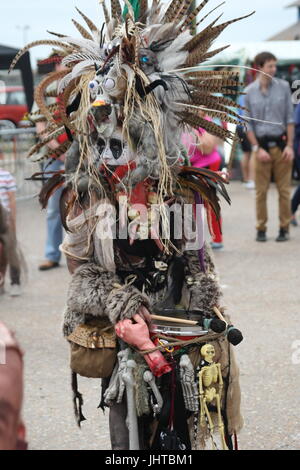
x,y
174,320
219,314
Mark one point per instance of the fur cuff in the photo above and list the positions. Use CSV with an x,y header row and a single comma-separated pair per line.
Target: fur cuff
x,y
125,303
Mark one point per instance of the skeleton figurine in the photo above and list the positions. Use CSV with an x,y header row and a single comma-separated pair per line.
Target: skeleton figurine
x,y
209,376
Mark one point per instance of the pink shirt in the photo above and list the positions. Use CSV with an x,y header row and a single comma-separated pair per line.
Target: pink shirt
x,y
197,158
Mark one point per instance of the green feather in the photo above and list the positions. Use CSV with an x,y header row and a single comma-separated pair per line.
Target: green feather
x,y
136,8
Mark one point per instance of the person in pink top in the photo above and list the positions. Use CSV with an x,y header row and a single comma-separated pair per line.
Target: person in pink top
x,y
203,152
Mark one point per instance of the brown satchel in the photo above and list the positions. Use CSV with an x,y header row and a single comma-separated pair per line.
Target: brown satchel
x,y
93,349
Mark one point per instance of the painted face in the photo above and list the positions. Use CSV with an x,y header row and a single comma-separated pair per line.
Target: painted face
x,y
114,151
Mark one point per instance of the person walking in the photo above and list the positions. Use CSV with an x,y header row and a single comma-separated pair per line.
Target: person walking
x,y
271,135
203,152
8,250
54,225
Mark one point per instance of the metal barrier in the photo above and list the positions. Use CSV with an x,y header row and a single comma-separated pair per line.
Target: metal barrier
x,y
14,146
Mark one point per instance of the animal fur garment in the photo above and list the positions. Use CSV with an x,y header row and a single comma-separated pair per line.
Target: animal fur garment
x,y
92,292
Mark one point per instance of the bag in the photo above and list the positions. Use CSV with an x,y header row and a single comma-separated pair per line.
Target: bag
x,y
93,349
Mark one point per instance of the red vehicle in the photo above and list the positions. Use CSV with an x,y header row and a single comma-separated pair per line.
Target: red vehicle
x,y
12,105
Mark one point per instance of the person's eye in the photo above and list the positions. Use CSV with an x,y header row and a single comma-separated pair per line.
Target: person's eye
x,y
109,84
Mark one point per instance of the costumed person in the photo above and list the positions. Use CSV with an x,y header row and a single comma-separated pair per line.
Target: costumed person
x,y
52,165
131,89
202,149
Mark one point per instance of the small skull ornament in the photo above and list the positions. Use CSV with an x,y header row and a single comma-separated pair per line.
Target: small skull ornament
x,y
208,353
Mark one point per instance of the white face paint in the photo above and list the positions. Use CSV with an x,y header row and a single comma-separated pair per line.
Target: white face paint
x,y
110,152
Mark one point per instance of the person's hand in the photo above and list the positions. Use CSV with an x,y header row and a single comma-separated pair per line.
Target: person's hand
x,y
288,154
135,334
263,156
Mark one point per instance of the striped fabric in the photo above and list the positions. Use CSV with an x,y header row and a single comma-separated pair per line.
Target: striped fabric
x,y
7,184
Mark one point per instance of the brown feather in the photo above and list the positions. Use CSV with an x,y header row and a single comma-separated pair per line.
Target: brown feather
x,y
194,14
49,188
90,24
66,203
198,57
84,33
143,10
59,35
42,42
209,73
171,11
57,153
186,4
105,11
206,192
196,121
200,37
41,89
37,147
116,10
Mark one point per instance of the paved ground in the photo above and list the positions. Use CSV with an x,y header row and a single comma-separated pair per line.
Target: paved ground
x,y
261,290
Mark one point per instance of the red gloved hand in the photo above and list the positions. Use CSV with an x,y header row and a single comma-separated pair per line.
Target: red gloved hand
x,y
137,334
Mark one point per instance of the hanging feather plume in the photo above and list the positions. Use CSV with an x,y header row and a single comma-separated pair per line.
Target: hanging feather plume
x,y
84,33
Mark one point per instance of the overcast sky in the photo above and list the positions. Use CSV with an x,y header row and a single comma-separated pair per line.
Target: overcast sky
x,y
55,15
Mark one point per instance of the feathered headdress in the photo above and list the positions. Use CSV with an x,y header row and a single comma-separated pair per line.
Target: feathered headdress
x,y
139,79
